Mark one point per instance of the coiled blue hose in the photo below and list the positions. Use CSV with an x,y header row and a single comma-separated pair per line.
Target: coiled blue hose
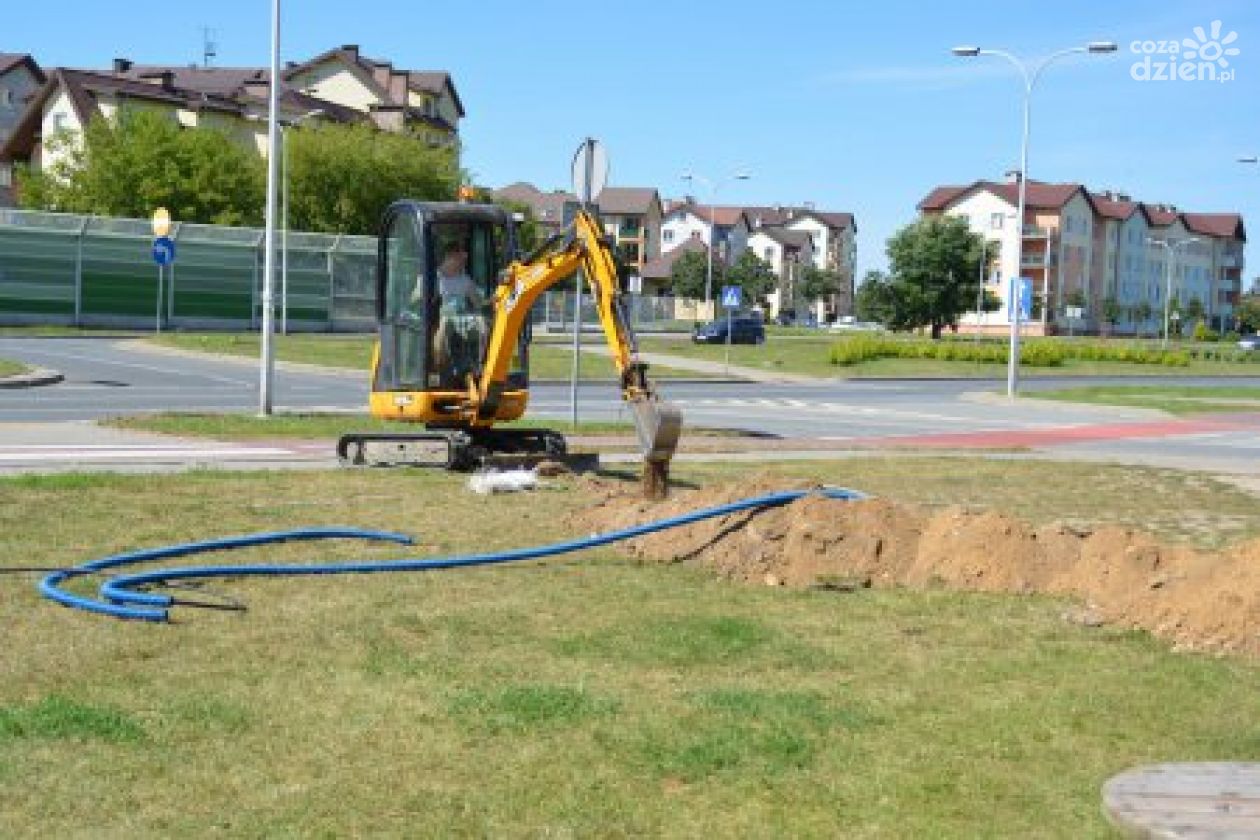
x,y
122,601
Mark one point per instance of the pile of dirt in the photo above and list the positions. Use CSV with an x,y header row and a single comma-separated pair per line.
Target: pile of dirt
x,y
1197,600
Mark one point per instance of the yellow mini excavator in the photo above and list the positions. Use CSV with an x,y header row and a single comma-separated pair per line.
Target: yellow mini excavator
x,y
453,303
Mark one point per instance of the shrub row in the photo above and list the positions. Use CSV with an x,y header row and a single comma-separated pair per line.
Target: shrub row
x,y
1035,352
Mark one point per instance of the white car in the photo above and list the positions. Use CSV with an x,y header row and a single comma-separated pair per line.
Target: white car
x,y
1249,342
847,323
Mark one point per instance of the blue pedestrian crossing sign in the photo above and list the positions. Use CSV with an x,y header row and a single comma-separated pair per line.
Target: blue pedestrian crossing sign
x,y
730,297
1022,293
164,250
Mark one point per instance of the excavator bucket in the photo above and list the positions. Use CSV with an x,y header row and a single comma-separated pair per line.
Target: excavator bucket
x,y
658,424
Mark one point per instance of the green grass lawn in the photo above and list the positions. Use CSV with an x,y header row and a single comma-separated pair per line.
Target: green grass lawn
x,y
588,695
547,360
317,426
1173,399
11,368
808,355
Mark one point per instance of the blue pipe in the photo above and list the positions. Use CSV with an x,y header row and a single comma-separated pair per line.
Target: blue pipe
x,y
120,590
50,586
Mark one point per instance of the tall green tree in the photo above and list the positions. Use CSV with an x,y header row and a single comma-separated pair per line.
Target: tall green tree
x,y
139,160
689,276
753,275
1248,313
342,177
818,283
875,299
934,265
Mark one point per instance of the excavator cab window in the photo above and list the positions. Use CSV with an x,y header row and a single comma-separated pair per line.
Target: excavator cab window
x,y
404,315
440,271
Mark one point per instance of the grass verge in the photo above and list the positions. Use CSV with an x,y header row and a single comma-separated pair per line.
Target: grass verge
x,y
547,360
1173,399
11,368
317,426
589,695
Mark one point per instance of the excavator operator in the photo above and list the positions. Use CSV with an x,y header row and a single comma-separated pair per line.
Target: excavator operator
x,y
460,338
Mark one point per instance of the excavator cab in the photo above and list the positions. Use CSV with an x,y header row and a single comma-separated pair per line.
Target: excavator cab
x,y
438,267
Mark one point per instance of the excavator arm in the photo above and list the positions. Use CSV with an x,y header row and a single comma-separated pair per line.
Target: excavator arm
x,y
583,246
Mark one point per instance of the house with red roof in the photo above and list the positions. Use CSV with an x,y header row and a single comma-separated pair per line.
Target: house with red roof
x,y
340,85
20,78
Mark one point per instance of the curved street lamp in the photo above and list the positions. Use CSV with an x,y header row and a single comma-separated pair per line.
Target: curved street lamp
x,y
691,177
1030,72
1171,248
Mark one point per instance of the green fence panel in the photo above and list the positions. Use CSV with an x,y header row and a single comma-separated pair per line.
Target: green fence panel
x,y
213,281
37,270
120,278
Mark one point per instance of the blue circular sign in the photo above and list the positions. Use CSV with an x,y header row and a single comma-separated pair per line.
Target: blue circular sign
x,y
164,250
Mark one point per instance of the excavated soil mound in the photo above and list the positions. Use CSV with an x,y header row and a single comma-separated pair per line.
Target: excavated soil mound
x,y
1197,600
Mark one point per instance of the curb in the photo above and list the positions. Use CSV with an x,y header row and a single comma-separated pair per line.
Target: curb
x,y
32,378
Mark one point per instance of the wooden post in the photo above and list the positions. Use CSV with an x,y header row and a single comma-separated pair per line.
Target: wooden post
x,y
655,480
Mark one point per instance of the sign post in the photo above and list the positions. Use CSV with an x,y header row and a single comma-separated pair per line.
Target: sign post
x,y
590,174
730,302
163,254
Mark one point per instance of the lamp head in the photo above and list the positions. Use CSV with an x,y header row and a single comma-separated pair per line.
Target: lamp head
x,y
1101,46
966,51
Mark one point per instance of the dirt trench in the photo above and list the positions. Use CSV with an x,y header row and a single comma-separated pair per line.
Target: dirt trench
x,y
1197,600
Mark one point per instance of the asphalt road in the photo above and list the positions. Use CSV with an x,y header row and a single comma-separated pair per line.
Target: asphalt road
x,y
104,377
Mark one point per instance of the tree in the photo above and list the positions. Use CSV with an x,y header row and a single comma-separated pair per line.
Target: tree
x,y
935,263
1142,313
1111,312
342,177
1194,310
689,276
819,283
1247,312
753,275
875,299
139,160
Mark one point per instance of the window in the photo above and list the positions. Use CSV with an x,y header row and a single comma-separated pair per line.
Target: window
x,y
6,98
667,236
995,221
6,175
769,254
61,122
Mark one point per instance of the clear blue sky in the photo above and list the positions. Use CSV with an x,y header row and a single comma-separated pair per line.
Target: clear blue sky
x,y
856,107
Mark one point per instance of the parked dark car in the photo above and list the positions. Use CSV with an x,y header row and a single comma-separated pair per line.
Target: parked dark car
x,y
745,329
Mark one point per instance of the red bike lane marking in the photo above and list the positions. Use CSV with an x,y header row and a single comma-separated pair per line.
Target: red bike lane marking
x,y
1007,438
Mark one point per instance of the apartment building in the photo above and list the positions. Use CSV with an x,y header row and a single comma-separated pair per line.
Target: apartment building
x,y
1101,251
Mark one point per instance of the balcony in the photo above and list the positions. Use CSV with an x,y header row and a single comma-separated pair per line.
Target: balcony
x,y
1036,232
1037,260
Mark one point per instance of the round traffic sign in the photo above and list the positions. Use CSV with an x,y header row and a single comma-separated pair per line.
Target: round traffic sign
x,y
161,221
590,170
163,250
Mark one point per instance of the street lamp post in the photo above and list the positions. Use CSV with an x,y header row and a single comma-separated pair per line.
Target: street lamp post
x,y
1171,250
691,177
1030,74
267,363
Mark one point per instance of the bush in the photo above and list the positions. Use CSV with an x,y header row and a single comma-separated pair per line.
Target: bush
x,y
1204,333
1039,352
